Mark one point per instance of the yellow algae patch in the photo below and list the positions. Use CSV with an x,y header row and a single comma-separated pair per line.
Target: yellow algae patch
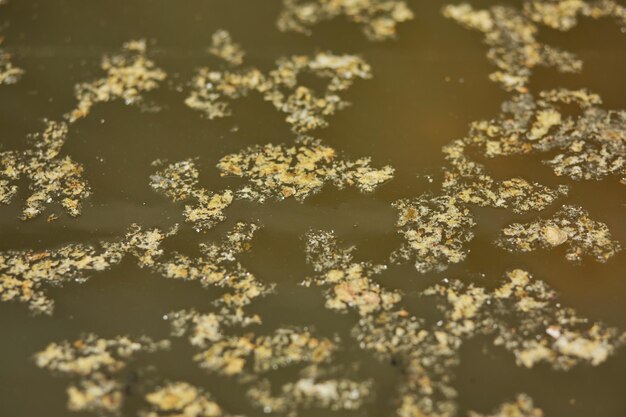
x,y
179,182
94,363
589,144
24,275
51,177
128,75
436,230
223,47
523,406
378,18
314,389
306,109
563,14
570,226
217,266
388,331
298,171
513,45
9,73
524,316
351,286
259,354
180,399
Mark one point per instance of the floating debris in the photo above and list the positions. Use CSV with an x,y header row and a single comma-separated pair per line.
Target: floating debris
x,y
211,90
378,18
563,14
129,74
525,317
179,182
9,74
217,266
51,177
313,389
571,226
351,285
258,354
515,194
391,333
223,47
514,47
436,230
298,171
24,275
250,356
589,146
523,406
180,399
511,35
94,363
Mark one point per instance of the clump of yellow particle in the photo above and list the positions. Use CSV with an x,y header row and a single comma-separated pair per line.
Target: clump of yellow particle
x,y
512,35
128,75
298,171
24,275
51,177
523,406
179,182
9,73
306,109
180,399
223,47
588,143
378,18
524,316
570,226
95,363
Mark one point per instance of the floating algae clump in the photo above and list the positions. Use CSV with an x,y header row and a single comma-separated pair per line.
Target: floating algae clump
x,y
25,274
589,145
511,35
314,388
300,170
180,399
436,230
524,316
306,110
523,406
9,74
351,285
514,48
129,74
95,364
251,356
258,354
378,18
438,227
570,226
179,182
390,332
217,266
563,14
223,47
51,177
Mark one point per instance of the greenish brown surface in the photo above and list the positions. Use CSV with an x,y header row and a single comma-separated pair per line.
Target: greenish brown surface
x,y
428,85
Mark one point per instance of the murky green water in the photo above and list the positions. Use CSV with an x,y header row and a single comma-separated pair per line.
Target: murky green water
x,y
427,86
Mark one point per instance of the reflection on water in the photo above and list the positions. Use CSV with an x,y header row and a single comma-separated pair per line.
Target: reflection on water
x,y
308,207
